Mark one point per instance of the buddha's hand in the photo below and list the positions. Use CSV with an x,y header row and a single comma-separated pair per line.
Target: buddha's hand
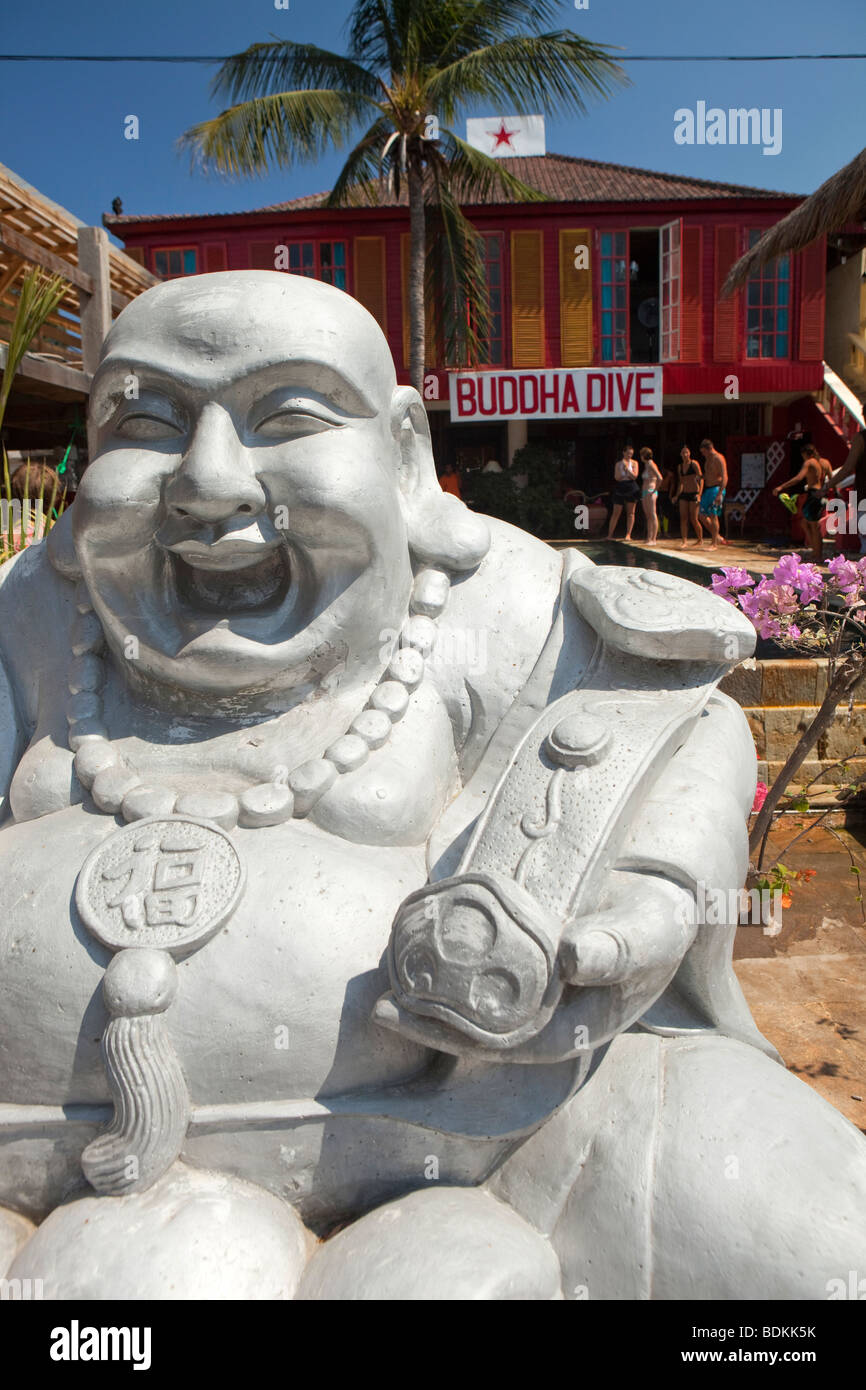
x,y
643,929
478,964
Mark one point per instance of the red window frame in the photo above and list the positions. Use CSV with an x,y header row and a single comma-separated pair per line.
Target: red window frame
x,y
762,308
168,251
311,265
605,260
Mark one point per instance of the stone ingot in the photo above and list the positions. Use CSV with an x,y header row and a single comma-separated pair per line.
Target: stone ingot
x,y
478,953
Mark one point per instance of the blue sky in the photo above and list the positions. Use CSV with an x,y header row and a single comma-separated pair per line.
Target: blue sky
x,y
61,125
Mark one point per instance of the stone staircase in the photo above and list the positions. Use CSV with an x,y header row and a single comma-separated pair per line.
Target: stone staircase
x,y
779,699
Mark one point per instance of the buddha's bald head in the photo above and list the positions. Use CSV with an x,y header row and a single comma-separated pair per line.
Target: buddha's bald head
x,y
218,329
259,483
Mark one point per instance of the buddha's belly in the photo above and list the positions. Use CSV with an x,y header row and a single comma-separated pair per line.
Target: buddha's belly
x,y
276,1006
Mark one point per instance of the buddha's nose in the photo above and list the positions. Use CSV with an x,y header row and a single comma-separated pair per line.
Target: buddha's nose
x,y
215,481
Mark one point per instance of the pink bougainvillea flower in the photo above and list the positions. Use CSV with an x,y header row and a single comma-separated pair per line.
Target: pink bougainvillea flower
x,y
760,796
731,578
810,582
787,571
847,577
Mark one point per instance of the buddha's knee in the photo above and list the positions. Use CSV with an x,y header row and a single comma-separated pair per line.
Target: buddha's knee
x,y
760,1185
14,1231
445,1243
194,1234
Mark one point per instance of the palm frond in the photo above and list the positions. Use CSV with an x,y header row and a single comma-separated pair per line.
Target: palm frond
x,y
841,199
275,130
455,279
545,70
485,22
265,69
38,297
476,176
372,37
360,178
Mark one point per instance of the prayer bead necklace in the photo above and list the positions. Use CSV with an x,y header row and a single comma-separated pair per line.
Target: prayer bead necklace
x,y
117,789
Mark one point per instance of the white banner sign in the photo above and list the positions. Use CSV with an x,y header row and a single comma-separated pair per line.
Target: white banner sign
x,y
556,395
506,136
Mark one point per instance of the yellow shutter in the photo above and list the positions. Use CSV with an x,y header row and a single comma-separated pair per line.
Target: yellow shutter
x,y
527,299
575,300
370,276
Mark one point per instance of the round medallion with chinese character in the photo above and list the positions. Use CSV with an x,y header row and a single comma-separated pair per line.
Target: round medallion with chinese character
x,y
167,883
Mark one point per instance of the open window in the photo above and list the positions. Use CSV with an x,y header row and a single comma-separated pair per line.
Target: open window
x,y
670,276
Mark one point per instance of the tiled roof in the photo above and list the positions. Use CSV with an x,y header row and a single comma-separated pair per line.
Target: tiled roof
x,y
560,177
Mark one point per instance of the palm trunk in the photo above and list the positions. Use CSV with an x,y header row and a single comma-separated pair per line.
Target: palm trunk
x,y
417,260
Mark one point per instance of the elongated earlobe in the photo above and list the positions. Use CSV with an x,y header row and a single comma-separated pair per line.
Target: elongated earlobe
x,y
442,531
61,550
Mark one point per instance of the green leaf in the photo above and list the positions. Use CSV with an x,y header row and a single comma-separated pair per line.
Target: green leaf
x,y
268,69
557,72
275,131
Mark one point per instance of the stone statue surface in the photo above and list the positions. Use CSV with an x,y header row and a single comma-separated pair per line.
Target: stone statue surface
x,y
350,850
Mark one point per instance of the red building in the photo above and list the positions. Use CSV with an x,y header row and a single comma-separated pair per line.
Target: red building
x,y
613,279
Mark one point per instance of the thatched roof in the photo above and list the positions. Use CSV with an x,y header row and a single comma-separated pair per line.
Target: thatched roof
x,y
838,202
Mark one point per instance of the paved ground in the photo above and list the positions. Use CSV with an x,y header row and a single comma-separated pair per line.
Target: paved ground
x,y
806,986
758,559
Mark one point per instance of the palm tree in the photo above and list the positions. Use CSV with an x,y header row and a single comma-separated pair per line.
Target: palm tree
x,y
411,65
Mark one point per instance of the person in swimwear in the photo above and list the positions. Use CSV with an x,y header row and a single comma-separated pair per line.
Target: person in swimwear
x,y
687,489
626,491
650,479
713,496
815,473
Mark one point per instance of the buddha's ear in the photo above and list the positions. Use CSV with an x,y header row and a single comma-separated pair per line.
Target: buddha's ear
x,y
61,550
442,531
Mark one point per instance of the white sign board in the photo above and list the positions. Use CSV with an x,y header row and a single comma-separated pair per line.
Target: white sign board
x,y
506,136
584,392
752,470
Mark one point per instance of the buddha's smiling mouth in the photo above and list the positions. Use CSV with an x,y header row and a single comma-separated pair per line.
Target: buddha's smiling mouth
x,y
235,567
223,579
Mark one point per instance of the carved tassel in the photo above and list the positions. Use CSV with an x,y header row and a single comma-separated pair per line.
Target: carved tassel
x,y
151,1101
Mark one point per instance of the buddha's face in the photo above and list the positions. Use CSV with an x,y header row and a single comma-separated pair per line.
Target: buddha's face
x,y
242,518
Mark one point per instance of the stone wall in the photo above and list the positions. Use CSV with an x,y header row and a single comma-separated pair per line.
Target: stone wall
x,y
779,699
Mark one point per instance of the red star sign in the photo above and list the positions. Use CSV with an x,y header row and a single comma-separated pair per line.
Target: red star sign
x,y
502,136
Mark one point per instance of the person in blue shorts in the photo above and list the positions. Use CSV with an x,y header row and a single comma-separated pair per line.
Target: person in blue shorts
x,y
713,495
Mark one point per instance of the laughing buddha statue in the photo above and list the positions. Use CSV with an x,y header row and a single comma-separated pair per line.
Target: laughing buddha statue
x,y
350,848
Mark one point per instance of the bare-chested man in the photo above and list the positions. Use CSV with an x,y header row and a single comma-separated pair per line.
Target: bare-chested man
x,y
815,473
713,496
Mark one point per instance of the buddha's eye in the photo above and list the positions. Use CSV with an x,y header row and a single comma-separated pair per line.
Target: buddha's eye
x,y
293,424
146,428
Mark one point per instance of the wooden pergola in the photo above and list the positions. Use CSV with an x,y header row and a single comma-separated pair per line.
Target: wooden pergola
x,y
34,231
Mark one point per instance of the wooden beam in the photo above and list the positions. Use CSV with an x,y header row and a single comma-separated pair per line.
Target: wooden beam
x,y
95,312
9,278
52,373
31,251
